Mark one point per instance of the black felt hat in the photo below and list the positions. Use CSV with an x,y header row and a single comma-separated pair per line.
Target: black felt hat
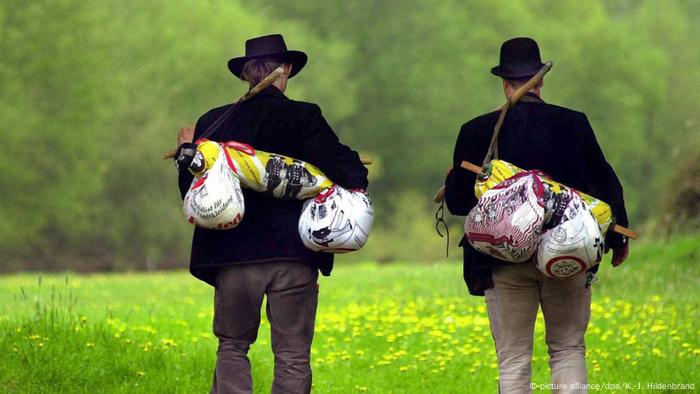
x,y
271,46
520,58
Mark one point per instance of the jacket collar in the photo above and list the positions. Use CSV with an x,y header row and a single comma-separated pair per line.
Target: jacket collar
x,y
530,97
271,91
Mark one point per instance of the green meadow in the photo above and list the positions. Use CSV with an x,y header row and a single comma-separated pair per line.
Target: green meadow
x,y
401,328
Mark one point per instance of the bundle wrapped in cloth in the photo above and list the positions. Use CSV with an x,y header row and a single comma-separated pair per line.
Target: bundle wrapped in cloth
x,y
215,198
498,171
337,220
520,213
508,219
279,175
574,244
333,219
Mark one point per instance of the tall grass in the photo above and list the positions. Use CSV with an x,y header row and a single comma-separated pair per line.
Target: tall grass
x,y
408,328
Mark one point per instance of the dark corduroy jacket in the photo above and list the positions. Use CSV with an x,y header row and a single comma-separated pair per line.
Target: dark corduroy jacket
x,y
268,232
534,135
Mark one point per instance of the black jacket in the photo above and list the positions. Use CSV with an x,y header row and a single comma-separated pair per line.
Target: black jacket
x,y
268,232
534,135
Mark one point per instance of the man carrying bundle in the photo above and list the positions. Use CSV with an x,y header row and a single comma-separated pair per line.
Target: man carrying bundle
x,y
561,143
264,255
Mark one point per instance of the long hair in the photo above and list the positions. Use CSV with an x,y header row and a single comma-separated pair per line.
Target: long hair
x,y
255,70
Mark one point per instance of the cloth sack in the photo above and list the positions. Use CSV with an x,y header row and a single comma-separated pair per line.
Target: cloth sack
x,y
215,198
507,220
337,220
498,171
572,246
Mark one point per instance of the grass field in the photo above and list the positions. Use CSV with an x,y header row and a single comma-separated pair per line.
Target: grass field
x,y
400,328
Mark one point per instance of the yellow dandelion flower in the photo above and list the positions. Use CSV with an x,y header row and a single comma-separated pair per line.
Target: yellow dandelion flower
x,y
657,352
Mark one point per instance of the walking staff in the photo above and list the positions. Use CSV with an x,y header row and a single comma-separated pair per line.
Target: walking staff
x,y
264,255
560,142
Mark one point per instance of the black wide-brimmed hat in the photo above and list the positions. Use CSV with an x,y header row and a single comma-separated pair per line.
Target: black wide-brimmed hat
x,y
271,46
520,58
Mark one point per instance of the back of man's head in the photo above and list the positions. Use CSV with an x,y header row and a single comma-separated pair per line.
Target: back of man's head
x,y
255,70
515,83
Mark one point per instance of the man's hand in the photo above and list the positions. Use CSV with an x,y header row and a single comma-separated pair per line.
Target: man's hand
x,y
619,255
186,134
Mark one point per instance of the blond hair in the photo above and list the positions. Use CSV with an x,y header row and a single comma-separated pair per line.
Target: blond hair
x,y
255,70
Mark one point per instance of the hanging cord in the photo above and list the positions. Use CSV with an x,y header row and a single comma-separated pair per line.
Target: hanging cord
x,y
440,219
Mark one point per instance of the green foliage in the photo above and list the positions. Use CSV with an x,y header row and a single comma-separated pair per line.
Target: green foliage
x,y
681,211
622,64
408,328
410,234
93,92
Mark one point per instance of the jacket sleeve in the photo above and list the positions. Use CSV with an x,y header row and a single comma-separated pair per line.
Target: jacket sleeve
x,y
459,185
184,176
323,149
600,178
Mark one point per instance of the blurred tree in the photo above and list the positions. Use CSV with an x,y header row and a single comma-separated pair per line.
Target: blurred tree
x,y
51,99
424,70
93,92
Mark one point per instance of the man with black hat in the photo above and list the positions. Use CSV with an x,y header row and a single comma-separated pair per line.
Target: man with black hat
x,y
264,255
560,142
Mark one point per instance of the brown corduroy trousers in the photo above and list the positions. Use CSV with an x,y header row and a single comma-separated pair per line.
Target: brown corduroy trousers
x,y
292,297
512,304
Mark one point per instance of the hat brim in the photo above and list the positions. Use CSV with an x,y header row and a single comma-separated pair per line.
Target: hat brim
x,y
297,59
520,71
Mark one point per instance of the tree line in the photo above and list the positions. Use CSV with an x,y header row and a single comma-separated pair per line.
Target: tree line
x,y
93,92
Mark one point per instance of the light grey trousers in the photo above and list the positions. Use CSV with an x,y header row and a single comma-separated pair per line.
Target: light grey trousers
x,y
292,298
512,304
